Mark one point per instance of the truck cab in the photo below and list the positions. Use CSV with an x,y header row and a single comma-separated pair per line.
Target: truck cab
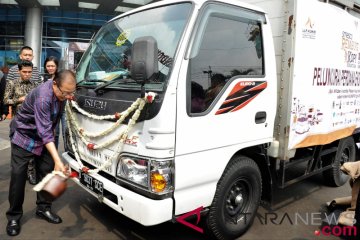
x,y
214,88
175,113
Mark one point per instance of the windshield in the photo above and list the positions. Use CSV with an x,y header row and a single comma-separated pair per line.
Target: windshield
x,y
109,55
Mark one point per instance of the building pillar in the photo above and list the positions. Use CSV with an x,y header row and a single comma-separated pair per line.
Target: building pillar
x,y
33,33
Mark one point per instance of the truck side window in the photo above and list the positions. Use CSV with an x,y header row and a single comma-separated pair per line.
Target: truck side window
x,y
227,44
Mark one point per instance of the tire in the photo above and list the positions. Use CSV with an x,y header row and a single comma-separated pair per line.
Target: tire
x,y
346,152
236,199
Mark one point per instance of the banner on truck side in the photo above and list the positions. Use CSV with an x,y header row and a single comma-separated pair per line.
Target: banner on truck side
x,y
326,85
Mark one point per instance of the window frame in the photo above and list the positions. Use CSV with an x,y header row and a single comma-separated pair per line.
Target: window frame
x,y
227,11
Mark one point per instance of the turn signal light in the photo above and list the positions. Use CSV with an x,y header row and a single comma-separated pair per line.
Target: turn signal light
x,y
158,182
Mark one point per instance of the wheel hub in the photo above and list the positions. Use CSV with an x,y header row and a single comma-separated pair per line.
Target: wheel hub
x,y
239,199
344,157
236,199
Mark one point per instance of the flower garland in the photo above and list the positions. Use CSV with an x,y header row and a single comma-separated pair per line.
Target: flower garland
x,y
72,122
119,116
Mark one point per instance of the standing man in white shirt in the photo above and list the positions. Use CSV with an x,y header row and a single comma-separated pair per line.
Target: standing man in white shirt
x,y
26,53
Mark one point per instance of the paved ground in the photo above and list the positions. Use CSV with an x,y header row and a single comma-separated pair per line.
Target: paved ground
x,y
85,218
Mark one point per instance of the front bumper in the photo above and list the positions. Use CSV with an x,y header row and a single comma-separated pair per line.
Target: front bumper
x,y
132,205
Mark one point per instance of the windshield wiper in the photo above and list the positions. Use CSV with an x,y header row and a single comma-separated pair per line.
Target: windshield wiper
x,y
118,79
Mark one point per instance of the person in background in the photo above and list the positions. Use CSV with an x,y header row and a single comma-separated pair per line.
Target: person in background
x,y
16,90
4,109
26,53
217,83
197,98
32,138
5,71
15,93
51,66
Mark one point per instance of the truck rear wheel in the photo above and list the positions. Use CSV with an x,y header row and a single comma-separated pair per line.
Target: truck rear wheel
x,y
346,152
236,200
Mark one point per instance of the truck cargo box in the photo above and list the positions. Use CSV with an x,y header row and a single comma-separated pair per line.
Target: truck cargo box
x,y
318,62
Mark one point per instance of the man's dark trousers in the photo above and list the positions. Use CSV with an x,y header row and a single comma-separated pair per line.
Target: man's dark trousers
x,y
19,164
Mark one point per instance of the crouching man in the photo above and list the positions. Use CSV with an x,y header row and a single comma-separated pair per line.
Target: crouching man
x,y
32,138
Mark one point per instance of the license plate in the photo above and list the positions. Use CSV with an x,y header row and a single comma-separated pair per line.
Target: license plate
x,y
91,183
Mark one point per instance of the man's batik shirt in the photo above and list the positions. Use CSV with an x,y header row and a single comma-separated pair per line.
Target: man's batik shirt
x,y
16,89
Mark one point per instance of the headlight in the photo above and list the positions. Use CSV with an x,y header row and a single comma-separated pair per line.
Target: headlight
x,y
154,175
135,170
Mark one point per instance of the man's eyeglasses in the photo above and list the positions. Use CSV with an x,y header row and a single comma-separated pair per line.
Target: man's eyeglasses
x,y
65,93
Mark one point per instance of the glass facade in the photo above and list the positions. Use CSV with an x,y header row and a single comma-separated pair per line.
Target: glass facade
x,y
61,30
12,27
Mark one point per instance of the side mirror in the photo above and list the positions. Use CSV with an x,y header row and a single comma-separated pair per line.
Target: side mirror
x,y
144,59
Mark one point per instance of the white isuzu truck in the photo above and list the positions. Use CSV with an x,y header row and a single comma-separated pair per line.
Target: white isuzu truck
x,y
184,106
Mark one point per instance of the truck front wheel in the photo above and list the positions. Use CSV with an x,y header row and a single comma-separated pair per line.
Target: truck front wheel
x,y
236,199
346,152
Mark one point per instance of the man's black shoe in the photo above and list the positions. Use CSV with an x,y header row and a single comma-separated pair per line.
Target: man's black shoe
x,y
32,178
13,228
49,216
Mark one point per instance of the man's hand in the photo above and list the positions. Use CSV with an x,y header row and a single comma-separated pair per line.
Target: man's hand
x,y
21,99
3,117
59,166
